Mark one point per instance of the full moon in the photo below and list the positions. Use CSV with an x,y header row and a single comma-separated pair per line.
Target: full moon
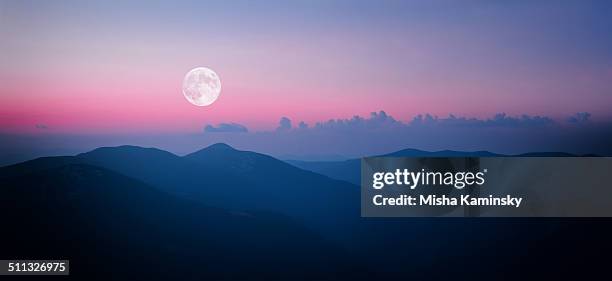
x,y
201,86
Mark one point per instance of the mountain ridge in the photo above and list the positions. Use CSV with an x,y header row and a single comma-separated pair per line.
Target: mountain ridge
x,y
224,177
262,225
91,215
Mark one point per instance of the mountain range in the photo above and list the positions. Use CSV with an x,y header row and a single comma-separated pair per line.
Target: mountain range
x,y
131,213
106,222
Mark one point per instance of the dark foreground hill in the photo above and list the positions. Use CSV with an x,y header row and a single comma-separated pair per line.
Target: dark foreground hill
x,y
113,227
222,176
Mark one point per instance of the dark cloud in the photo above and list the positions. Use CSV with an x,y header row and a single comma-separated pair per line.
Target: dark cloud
x,y
376,134
284,124
41,126
498,120
226,128
381,133
377,121
382,121
579,117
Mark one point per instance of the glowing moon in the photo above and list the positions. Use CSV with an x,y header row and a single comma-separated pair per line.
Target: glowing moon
x,y
201,86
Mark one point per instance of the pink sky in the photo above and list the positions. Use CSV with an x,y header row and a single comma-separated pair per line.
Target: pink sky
x,y
85,73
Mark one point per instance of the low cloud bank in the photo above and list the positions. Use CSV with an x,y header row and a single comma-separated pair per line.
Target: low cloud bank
x,y
226,128
381,133
378,133
381,120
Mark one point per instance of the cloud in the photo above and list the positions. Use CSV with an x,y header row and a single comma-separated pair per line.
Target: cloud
x,y
378,121
376,134
41,126
381,133
284,124
226,128
498,120
579,117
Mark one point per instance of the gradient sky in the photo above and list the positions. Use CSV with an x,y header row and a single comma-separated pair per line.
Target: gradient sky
x,y
92,67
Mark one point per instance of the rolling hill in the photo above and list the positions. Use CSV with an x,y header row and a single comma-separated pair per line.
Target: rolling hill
x,y
110,225
221,176
220,213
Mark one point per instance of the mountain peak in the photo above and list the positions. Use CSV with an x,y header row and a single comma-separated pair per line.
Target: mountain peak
x,y
117,148
214,149
220,146
126,150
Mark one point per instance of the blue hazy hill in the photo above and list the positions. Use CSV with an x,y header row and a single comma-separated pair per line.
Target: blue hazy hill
x,y
150,210
111,226
263,182
221,176
145,211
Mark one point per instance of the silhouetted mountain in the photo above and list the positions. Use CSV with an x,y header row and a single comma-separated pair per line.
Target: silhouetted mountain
x,y
554,154
114,227
35,165
244,179
443,153
313,157
221,176
349,170
340,170
153,166
113,213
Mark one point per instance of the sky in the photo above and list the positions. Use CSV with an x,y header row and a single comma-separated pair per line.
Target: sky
x,y
95,68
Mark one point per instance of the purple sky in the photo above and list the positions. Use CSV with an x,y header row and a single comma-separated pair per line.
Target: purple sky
x,y
113,71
